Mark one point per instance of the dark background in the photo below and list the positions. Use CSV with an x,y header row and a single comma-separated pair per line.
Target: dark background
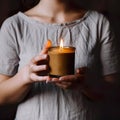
x,y
110,8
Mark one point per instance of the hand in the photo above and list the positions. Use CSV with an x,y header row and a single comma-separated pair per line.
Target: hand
x,y
71,81
37,69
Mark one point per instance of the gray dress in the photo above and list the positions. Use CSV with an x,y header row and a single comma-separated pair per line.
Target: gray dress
x,y
22,38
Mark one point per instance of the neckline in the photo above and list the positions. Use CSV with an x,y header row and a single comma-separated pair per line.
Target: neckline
x,y
31,20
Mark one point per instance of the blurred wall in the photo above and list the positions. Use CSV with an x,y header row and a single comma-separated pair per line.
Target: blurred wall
x,y
8,8
109,7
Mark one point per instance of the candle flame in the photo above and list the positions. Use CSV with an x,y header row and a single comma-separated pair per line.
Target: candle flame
x,y
61,43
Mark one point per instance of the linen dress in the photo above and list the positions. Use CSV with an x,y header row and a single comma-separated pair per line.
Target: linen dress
x,y
22,38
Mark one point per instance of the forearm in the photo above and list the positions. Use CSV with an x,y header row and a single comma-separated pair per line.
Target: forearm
x,y
13,90
108,90
93,94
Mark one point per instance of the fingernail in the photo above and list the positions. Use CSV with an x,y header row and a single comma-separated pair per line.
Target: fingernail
x,y
44,56
53,79
45,67
60,79
48,44
48,80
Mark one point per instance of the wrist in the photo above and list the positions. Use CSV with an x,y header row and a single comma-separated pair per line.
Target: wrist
x,y
23,75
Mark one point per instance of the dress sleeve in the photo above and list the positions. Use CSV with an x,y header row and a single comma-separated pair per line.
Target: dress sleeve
x,y
9,59
109,52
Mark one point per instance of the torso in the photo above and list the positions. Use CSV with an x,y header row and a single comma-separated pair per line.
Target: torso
x,y
47,101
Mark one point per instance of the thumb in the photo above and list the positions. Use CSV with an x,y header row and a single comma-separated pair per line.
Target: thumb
x,y
47,45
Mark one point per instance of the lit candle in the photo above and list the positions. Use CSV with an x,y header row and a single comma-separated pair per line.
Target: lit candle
x,y
61,60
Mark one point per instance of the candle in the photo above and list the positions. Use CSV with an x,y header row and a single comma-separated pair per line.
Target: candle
x,y
61,60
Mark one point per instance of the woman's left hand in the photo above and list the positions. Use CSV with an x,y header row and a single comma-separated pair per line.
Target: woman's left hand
x,y
71,81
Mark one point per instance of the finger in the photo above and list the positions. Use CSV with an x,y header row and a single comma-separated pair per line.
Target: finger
x,y
47,45
36,68
39,58
48,80
66,83
81,70
55,80
62,86
36,78
72,78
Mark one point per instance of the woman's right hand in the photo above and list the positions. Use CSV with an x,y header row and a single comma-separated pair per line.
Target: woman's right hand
x,y
37,70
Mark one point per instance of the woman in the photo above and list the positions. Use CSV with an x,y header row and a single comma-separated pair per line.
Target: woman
x,y
71,97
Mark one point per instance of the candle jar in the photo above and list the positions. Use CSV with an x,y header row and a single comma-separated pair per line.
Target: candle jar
x,y
61,61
